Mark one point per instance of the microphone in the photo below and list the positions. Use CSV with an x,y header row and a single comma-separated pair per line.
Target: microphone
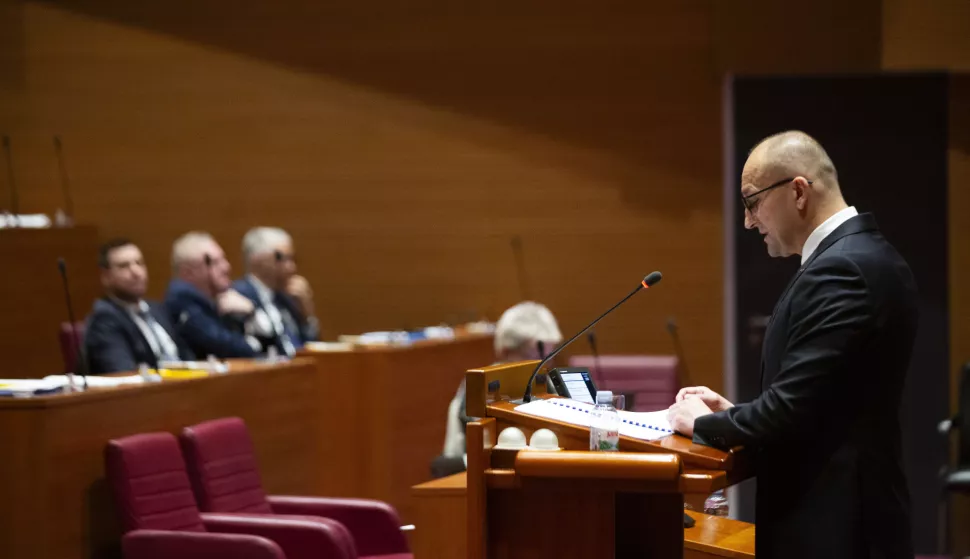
x,y
524,291
65,183
82,362
679,350
208,274
14,197
650,280
591,338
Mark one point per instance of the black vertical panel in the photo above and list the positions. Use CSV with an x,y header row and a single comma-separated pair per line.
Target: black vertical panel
x,y
887,135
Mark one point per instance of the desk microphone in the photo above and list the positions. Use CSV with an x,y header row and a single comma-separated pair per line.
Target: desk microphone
x,y
524,291
679,350
652,279
65,182
591,338
208,274
81,362
14,197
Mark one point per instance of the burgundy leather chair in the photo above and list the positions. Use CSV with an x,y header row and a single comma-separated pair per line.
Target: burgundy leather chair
x,y
222,467
70,351
651,379
161,519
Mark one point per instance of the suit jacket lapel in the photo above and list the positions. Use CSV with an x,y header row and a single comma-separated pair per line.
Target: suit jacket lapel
x,y
858,224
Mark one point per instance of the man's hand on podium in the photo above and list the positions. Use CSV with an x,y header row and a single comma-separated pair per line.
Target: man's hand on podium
x,y
682,414
711,399
693,402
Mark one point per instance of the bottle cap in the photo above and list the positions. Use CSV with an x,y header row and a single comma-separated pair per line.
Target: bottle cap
x,y
604,396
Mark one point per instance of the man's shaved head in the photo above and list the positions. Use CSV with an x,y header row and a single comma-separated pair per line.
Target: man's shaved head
x,y
794,153
789,186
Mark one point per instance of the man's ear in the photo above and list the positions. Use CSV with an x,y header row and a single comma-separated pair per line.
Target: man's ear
x,y
800,188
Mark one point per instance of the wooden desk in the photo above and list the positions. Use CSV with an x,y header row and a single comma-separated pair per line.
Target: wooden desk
x,y
54,499
396,422
32,301
441,531
627,504
440,518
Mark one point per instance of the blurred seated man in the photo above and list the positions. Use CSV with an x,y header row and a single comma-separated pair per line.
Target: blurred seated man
x,y
283,300
526,332
208,314
124,330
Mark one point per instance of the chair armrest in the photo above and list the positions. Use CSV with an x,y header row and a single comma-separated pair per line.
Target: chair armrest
x,y
375,525
162,544
300,537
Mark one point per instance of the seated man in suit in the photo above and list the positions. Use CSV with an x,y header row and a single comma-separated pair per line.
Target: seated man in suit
x,y
209,315
283,300
525,332
124,330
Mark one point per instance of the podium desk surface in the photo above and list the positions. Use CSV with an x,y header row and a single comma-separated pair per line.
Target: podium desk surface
x,y
694,456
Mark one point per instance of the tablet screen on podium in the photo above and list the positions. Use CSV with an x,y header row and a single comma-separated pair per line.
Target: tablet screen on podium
x,y
574,383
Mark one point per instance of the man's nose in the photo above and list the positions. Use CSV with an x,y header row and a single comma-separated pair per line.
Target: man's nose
x,y
749,221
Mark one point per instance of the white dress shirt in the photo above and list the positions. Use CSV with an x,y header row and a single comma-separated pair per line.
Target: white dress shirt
x,y
273,315
161,343
826,229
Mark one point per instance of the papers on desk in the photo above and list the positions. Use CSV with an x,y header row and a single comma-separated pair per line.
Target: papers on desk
x,y
644,426
97,381
21,388
328,346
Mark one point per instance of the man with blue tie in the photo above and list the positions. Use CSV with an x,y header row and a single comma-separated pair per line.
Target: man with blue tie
x,y
283,300
124,330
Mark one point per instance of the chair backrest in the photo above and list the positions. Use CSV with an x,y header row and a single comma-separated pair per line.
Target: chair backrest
x,y
652,379
222,466
70,350
151,487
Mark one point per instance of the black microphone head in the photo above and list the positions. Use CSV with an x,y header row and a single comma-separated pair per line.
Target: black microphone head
x,y
652,279
541,346
278,254
6,141
671,324
61,265
208,260
57,141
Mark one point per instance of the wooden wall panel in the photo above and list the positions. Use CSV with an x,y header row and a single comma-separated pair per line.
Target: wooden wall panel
x,y
32,305
926,35
403,148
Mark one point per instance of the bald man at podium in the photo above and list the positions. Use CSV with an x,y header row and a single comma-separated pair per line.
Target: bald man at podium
x,y
826,428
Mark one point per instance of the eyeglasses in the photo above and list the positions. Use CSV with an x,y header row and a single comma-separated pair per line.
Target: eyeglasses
x,y
752,206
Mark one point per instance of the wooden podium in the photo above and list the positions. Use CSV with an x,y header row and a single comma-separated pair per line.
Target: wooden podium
x,y
576,503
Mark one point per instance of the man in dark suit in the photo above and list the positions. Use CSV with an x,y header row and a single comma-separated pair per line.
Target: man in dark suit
x,y
825,430
124,330
283,300
209,315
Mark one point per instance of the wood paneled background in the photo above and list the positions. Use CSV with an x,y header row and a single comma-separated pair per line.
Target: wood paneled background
x,y
403,145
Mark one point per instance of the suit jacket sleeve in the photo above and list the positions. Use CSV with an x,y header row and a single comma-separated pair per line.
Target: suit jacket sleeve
x,y
209,334
830,318
107,348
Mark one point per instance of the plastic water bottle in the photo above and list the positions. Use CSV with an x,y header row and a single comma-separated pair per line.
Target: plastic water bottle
x,y
716,504
604,429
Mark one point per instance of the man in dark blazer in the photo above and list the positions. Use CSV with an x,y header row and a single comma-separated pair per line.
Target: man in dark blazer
x,y
209,315
825,430
283,300
124,330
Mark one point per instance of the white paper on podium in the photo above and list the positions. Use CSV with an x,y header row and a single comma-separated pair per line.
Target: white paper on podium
x,y
647,426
